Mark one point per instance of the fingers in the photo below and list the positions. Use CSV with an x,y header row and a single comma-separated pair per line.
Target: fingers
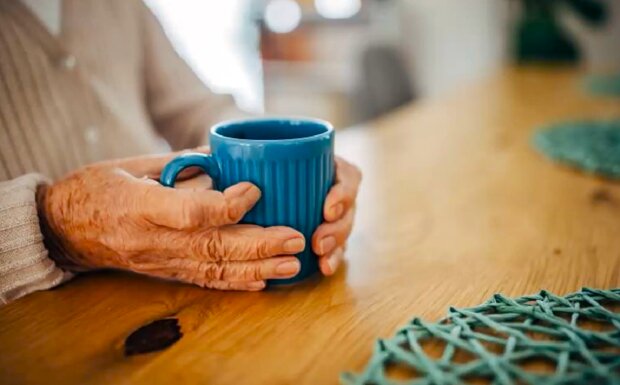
x,y
329,240
329,263
343,193
194,208
209,275
329,236
151,165
240,243
230,275
247,271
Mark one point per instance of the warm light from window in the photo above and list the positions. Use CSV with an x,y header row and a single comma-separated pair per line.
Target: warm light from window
x,y
218,41
337,9
282,16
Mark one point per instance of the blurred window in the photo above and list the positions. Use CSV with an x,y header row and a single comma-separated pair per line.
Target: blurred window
x,y
219,42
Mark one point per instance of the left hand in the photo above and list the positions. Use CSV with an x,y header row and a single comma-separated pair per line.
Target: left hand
x,y
329,239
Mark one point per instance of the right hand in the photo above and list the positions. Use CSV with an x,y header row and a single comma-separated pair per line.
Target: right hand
x,y
116,215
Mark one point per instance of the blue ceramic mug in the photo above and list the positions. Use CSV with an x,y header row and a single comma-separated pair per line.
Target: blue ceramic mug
x,y
290,160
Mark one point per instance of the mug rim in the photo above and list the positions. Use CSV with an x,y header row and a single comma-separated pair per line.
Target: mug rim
x,y
329,129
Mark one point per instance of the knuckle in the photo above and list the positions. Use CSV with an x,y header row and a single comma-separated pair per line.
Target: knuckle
x,y
262,248
234,213
251,273
257,273
335,195
214,272
199,276
213,247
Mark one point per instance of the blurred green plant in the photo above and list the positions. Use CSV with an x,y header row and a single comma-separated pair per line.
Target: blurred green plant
x,y
539,37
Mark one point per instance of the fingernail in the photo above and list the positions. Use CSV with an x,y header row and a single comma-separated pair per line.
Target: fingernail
x,y
333,261
287,269
294,245
256,285
326,245
338,209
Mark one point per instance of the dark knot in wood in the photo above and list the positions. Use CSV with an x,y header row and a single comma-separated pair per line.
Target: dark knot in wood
x,y
154,336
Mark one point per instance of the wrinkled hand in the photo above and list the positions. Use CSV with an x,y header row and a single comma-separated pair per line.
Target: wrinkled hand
x,y
329,240
116,215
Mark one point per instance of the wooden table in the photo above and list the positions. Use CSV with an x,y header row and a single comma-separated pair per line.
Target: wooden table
x,y
455,206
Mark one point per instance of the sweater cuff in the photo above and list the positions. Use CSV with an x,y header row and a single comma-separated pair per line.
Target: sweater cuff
x,y
24,263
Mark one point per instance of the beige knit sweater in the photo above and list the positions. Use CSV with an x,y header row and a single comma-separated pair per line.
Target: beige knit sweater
x,y
109,86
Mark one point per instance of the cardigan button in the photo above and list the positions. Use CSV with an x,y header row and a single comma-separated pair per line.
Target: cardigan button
x,y
91,134
68,62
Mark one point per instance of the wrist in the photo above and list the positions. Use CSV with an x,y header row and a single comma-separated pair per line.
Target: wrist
x,y
53,243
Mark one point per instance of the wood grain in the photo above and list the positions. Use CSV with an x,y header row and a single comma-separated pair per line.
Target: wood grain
x,y
455,206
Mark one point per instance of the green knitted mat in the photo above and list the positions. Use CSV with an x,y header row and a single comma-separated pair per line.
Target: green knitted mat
x,y
607,85
505,341
592,146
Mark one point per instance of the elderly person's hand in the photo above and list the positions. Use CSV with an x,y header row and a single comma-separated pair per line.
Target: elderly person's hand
x,y
329,240
116,215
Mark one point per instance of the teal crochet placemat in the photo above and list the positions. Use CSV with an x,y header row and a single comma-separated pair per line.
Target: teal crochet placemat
x,y
591,146
576,337
607,85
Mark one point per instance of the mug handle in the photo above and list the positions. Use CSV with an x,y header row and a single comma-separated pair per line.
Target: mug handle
x,y
206,162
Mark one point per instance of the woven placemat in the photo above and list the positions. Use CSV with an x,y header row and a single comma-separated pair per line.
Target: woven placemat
x,y
505,341
605,85
589,145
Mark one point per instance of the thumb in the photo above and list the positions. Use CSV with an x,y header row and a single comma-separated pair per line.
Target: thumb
x,y
194,208
151,165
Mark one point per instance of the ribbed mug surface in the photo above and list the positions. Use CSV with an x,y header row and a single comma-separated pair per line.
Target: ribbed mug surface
x,y
293,193
290,160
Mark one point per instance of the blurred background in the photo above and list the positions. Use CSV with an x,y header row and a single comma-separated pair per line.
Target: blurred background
x,y
348,61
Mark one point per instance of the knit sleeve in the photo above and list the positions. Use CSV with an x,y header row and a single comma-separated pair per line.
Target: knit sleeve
x,y
24,263
180,105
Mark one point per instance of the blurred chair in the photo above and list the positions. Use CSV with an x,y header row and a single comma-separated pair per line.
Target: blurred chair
x,y
385,83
